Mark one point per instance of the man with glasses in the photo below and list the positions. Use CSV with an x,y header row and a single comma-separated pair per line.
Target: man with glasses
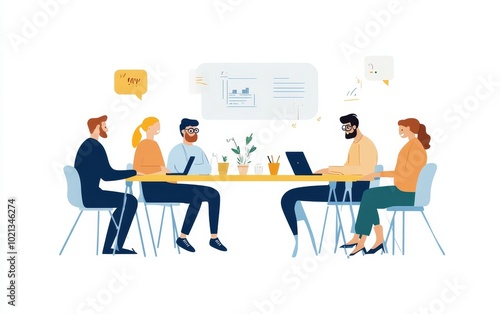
x,y
361,159
179,155
177,161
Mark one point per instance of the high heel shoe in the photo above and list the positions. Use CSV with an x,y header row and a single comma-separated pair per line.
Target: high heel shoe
x,y
362,250
375,250
347,245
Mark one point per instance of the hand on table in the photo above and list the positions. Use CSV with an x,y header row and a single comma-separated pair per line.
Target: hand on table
x,y
322,171
370,177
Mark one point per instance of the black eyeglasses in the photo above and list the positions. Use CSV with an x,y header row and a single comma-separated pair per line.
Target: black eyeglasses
x,y
346,127
192,130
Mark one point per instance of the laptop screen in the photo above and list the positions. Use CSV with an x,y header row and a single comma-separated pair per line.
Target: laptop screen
x,y
299,163
186,169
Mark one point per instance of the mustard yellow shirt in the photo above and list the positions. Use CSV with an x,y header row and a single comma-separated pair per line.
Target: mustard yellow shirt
x,y
411,159
362,157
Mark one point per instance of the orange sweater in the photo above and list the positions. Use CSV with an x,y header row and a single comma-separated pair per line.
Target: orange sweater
x,y
148,158
411,159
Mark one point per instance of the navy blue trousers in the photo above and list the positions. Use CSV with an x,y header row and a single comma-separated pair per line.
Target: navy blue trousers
x,y
112,199
318,193
190,194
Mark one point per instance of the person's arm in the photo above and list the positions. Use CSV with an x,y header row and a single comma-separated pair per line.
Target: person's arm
x,y
387,174
107,173
176,159
367,156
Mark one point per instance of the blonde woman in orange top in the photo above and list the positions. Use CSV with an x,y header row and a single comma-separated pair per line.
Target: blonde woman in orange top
x,y
411,159
149,160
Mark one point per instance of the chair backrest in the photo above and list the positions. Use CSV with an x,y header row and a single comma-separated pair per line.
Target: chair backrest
x,y
128,184
376,182
424,184
74,186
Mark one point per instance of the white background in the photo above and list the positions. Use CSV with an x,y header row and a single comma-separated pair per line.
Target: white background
x,y
62,74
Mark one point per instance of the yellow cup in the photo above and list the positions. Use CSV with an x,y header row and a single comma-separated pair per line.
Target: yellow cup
x,y
273,168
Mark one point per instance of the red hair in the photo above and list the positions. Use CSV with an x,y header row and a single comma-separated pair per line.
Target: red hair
x,y
94,122
419,129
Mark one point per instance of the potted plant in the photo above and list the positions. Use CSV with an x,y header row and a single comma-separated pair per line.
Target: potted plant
x,y
223,166
243,155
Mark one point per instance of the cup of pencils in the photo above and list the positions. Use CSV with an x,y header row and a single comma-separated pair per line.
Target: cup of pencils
x,y
273,166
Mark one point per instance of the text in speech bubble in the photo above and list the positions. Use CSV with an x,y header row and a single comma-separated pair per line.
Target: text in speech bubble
x,y
131,82
379,68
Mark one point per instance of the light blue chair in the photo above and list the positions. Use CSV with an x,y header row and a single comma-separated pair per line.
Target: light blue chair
x,y
339,229
422,199
75,198
175,234
301,216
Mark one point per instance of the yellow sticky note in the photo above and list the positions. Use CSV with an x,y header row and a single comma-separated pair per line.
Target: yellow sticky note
x,y
131,82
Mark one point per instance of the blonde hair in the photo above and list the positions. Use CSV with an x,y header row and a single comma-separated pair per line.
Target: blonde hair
x,y
146,123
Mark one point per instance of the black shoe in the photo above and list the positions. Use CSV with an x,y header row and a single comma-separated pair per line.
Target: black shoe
x,y
348,246
119,251
184,243
362,250
215,243
375,250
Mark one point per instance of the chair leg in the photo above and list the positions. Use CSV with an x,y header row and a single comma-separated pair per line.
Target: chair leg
x,y
98,223
174,229
311,235
296,247
161,227
339,229
442,251
120,223
403,238
71,232
353,220
323,231
140,233
391,230
150,229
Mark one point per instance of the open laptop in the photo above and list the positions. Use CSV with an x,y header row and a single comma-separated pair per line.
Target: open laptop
x,y
186,170
299,164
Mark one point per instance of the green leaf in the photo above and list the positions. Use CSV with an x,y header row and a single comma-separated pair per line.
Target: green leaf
x,y
249,139
252,149
236,151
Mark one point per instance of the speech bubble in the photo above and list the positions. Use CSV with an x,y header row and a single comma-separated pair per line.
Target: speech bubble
x,y
131,82
379,68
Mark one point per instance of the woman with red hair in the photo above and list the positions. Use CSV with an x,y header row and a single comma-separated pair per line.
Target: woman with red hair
x,y
411,159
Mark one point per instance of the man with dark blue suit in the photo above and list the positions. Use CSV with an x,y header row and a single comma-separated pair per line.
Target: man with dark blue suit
x,y
92,165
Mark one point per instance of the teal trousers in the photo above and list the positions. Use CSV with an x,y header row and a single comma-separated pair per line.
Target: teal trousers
x,y
379,197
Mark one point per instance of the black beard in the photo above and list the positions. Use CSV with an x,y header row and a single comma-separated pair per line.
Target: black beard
x,y
351,135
